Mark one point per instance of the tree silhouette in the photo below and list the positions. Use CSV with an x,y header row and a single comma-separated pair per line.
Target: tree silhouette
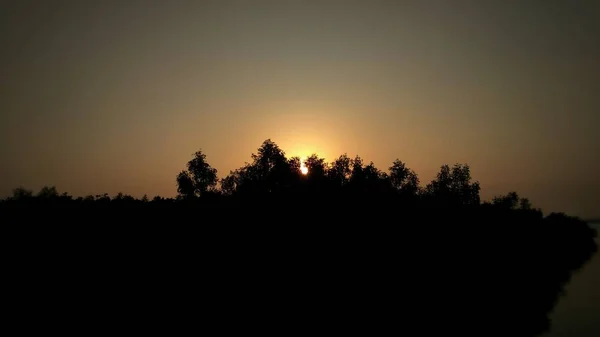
x,y
316,176
269,172
199,177
453,187
48,192
339,170
403,179
21,193
185,185
512,201
356,174
367,237
317,168
509,201
366,180
230,182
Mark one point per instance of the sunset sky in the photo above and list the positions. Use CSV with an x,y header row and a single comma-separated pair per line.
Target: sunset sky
x,y
115,96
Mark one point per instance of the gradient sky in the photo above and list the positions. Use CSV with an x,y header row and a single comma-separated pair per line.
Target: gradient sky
x,y
109,96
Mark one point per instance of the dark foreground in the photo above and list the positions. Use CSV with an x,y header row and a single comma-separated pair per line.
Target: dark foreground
x,y
290,267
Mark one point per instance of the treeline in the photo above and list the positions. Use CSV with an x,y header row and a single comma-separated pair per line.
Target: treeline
x,y
271,175
345,190
340,245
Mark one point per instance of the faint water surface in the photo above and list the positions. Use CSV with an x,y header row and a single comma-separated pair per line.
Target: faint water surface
x,y
577,314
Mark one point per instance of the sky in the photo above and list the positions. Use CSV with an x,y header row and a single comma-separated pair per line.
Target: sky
x,y
116,96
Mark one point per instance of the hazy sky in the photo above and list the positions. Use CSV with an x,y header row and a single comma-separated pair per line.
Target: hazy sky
x,y
109,96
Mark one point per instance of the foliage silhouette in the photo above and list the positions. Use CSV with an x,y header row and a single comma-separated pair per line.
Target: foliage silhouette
x,y
345,246
198,179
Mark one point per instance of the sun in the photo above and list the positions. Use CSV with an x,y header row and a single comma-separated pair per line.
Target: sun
x,y
303,168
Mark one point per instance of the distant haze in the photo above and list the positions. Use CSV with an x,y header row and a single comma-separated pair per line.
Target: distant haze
x,y
110,96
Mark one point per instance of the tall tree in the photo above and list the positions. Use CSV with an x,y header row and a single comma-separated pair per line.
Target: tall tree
x,y
199,177
317,168
453,186
21,193
48,192
339,170
403,179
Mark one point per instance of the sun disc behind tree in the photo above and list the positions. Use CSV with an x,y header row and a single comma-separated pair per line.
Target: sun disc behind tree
x,y
303,168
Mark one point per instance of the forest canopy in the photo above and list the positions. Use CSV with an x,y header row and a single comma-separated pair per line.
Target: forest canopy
x,y
357,229
271,174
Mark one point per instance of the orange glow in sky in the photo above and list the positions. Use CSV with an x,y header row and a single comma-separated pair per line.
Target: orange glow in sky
x,y
82,110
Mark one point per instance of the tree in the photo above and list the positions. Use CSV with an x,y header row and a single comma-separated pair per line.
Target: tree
x,y
509,201
199,177
270,169
295,169
356,174
269,172
229,184
403,179
454,186
123,198
366,180
512,201
21,193
525,204
372,173
268,157
48,192
295,164
339,170
317,168
185,185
